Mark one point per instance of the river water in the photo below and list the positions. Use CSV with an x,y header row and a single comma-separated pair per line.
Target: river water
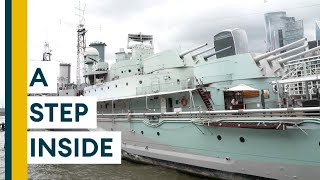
x,y
127,170
1,150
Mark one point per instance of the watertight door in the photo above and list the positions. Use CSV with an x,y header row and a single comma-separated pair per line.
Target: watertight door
x,y
155,85
163,104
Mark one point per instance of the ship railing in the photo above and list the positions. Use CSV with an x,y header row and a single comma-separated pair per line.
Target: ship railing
x,y
302,77
166,87
242,113
304,66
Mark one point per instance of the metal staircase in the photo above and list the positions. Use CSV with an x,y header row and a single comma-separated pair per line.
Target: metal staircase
x,y
205,95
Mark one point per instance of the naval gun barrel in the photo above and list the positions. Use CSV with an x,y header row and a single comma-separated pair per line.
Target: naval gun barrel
x,y
214,53
201,52
190,50
297,55
262,56
286,53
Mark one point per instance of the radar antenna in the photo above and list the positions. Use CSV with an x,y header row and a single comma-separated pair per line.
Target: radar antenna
x,y
141,38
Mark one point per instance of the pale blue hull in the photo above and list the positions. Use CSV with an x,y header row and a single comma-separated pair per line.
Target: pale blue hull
x,y
279,154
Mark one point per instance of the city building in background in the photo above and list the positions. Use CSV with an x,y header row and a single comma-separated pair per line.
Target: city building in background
x,y
282,30
317,30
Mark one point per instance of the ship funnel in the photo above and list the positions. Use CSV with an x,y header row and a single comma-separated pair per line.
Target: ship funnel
x,y
212,54
297,55
201,52
286,53
189,51
288,46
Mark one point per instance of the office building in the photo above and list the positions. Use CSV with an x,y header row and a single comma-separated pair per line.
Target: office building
x,y
282,30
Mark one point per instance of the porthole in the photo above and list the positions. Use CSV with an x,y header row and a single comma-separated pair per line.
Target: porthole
x,y
108,87
177,101
178,80
242,139
101,89
122,72
68,93
219,137
158,133
106,106
140,82
129,70
141,132
127,84
319,143
139,70
116,86
95,90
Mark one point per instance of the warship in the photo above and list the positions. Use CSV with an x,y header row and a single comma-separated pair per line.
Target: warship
x,y
219,112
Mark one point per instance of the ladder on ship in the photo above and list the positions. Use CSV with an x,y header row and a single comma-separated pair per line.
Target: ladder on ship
x,y
204,94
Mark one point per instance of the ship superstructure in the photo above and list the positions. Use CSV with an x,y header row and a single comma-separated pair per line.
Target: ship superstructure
x,y
219,111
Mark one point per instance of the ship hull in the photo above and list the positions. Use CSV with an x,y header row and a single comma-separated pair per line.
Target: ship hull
x,y
183,145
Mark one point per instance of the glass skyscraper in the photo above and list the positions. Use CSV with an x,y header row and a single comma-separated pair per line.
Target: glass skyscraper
x,y
317,30
282,30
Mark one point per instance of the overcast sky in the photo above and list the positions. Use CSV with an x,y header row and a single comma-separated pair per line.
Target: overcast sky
x,y
174,23
2,53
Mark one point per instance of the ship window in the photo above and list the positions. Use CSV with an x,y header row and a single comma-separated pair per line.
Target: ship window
x,y
158,133
95,90
141,132
177,101
129,70
139,70
219,137
169,77
127,84
106,106
178,81
114,105
89,91
108,87
140,82
122,72
101,89
116,86
242,139
67,93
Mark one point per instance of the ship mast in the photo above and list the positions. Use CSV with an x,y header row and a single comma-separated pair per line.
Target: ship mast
x,y
81,43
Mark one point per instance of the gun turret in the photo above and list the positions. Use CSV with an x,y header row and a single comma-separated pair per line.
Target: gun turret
x,y
288,46
214,53
189,51
270,59
201,52
297,55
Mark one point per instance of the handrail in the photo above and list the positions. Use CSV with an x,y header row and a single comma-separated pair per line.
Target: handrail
x,y
242,111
